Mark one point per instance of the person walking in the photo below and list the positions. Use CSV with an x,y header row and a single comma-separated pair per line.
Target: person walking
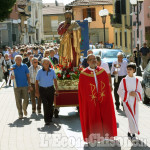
x,y
119,70
45,81
21,85
145,54
33,69
96,106
130,91
6,64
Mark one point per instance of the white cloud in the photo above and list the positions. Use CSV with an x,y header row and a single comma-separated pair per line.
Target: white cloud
x,y
59,1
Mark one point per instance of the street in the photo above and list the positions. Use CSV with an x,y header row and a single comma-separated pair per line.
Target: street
x,y
64,133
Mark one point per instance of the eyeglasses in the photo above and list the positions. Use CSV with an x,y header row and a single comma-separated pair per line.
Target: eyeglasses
x,y
129,69
94,59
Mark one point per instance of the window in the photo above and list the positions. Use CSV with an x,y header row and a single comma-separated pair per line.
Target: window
x,y
89,12
120,38
125,36
54,25
29,8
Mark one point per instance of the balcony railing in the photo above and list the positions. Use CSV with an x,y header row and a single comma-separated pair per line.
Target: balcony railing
x,y
116,20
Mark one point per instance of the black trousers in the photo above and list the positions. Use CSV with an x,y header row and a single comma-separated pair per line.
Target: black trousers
x,y
116,86
6,76
47,97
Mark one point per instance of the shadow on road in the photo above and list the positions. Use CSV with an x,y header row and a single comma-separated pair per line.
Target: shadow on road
x,y
72,121
140,145
20,122
53,127
36,117
101,147
121,113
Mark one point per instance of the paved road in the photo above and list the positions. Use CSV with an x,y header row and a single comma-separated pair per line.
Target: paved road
x,y
63,134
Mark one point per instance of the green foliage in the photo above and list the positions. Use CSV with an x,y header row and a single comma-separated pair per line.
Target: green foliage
x,y
6,8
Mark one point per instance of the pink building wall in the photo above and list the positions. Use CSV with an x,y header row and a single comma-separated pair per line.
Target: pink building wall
x,y
145,22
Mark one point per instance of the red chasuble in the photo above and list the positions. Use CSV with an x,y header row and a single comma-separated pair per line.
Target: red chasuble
x,y
97,113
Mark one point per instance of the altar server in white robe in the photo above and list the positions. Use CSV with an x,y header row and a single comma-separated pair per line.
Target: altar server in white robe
x,y
130,91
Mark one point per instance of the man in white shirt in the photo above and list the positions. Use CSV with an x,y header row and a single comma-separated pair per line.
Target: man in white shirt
x,y
33,69
105,66
119,70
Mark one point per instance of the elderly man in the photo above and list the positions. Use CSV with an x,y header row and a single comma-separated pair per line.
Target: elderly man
x,y
21,85
45,80
97,113
119,70
105,66
33,69
84,63
54,59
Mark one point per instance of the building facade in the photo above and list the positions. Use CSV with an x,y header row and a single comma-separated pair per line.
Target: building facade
x,y
144,25
9,29
53,14
121,20
83,9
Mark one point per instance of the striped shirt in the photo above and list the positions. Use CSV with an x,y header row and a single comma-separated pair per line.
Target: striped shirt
x,y
33,73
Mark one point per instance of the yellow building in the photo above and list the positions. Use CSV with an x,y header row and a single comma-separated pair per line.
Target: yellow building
x,y
88,8
53,14
121,20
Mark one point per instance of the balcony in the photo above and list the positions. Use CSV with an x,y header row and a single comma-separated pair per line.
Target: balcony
x,y
116,20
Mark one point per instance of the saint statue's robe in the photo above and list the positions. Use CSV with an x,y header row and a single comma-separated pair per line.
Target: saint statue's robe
x,y
70,43
96,106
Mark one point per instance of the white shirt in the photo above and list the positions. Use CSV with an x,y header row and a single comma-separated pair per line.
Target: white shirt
x,y
33,73
122,71
105,66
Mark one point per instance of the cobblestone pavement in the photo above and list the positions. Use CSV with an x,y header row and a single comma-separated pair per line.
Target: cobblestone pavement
x,y
64,133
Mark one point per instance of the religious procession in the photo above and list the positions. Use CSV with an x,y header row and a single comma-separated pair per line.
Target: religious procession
x,y
72,87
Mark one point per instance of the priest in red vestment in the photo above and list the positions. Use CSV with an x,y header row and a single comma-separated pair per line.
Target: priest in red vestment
x,y
97,115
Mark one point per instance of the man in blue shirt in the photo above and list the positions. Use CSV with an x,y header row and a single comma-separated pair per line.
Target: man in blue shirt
x,y
45,81
21,85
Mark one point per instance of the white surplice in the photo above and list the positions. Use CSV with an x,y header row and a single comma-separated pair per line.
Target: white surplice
x,y
130,103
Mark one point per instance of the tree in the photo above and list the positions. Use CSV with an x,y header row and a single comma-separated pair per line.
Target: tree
x,y
6,7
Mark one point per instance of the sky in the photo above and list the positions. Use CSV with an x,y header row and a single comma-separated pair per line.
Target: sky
x,y
59,1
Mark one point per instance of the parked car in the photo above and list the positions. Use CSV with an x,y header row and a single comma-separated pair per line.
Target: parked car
x,y
108,55
146,84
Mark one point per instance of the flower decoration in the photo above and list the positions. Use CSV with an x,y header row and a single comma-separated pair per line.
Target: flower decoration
x,y
68,73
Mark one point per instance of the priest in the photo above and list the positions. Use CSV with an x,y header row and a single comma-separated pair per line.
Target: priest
x,y
97,115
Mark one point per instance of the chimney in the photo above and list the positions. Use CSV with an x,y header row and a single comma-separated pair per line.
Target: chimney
x,y
56,3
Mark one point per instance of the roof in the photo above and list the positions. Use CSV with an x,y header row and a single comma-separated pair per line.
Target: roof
x,y
22,2
52,9
90,2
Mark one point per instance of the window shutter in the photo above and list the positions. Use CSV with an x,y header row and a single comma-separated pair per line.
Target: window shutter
x,y
93,14
84,13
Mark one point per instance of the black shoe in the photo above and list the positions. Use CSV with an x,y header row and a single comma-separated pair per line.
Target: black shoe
x,y
117,107
129,136
134,138
47,123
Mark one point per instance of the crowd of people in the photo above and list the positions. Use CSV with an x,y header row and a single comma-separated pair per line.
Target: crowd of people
x,y
29,68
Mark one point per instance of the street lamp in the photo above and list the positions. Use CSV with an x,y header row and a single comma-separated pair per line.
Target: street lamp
x,y
136,3
104,13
